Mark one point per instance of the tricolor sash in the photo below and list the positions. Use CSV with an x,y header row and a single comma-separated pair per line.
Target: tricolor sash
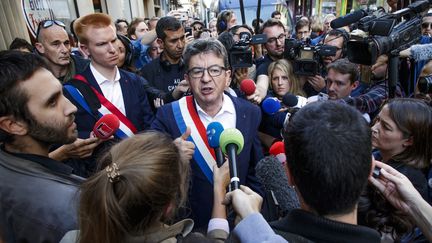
x,y
186,115
126,129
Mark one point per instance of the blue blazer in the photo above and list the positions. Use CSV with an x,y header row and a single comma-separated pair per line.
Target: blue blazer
x,y
200,189
137,107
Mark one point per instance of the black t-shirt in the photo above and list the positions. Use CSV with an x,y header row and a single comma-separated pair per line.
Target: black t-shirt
x,y
262,68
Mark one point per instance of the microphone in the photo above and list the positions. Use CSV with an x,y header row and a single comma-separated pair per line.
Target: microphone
x,y
231,142
271,105
248,86
275,181
348,19
106,126
278,151
294,101
214,130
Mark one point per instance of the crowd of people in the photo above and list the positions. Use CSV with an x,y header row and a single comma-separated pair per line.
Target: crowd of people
x,y
356,159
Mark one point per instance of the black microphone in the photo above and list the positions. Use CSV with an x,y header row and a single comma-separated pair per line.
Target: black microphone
x,y
231,142
294,101
348,19
214,131
271,174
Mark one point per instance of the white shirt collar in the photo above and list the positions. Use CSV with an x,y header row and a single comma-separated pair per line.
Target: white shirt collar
x,y
227,106
100,79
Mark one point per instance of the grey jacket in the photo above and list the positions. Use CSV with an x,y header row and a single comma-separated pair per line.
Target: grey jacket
x,y
36,203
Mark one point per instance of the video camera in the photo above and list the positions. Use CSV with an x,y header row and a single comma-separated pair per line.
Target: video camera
x,y
307,59
240,54
389,33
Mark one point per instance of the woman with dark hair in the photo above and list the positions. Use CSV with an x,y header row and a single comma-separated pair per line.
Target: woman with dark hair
x,y
134,198
402,134
126,54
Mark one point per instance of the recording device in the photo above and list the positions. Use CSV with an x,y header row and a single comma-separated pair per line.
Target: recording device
x,y
307,59
376,172
248,86
240,54
231,142
270,105
389,33
214,130
294,101
278,151
106,126
188,31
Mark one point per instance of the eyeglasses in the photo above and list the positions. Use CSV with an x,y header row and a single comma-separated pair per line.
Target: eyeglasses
x,y
426,25
213,71
273,40
48,23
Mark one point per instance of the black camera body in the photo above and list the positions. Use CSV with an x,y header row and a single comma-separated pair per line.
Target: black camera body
x,y
240,54
307,59
387,34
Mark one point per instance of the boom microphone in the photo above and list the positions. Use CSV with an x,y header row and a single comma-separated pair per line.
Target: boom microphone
x,y
348,19
248,86
106,126
214,130
232,141
271,105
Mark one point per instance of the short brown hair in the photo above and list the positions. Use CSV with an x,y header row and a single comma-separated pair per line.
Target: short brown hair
x,y
96,20
344,66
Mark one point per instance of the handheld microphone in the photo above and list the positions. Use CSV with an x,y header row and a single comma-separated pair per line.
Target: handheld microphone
x,y
214,130
231,142
348,19
106,126
248,86
271,105
278,151
294,101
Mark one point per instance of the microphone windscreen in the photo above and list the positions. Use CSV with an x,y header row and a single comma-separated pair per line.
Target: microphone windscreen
x,y
248,86
289,100
106,126
231,136
277,148
348,19
214,130
270,105
271,174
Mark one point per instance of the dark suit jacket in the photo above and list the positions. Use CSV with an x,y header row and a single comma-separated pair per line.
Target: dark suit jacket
x,y
201,190
137,108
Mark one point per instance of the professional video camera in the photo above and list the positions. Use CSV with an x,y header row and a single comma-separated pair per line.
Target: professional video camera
x,y
240,54
388,33
307,58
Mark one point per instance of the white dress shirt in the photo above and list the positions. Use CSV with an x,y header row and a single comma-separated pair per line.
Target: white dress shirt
x,y
226,116
111,89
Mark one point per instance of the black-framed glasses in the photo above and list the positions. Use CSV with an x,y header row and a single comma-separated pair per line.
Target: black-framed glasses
x,y
48,23
426,25
213,71
281,38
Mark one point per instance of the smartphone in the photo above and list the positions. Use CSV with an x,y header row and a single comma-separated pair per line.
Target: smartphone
x,y
188,31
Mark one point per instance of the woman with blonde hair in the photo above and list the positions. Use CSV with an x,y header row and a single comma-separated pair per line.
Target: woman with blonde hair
x,y
134,198
283,80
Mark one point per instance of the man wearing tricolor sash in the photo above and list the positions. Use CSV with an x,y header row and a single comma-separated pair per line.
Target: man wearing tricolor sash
x,y
208,75
103,89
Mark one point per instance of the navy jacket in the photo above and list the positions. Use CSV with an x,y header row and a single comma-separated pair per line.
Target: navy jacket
x,y
201,190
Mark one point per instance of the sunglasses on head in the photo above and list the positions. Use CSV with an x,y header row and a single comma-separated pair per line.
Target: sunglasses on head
x,y
48,23
426,25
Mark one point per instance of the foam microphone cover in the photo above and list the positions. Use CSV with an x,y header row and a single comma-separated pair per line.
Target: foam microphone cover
x,y
289,100
231,136
270,105
106,126
348,19
214,131
248,86
273,177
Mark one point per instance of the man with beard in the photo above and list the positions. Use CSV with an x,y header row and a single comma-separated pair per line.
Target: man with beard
x,y
166,73
372,98
37,194
105,88
54,46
